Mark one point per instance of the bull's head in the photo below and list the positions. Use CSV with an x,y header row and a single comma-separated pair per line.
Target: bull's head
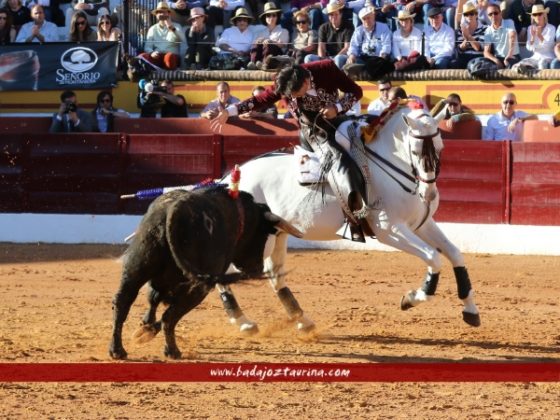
x,y
260,225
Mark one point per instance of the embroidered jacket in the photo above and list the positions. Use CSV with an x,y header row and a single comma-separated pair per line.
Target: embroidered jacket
x,y
327,81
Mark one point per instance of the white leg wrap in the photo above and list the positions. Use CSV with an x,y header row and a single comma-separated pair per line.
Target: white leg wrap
x,y
244,324
304,323
470,306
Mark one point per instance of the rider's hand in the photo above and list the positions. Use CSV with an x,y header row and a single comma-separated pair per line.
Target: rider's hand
x,y
329,112
217,123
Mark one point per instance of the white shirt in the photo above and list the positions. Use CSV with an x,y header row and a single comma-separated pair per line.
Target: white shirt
x,y
48,29
377,106
544,49
496,128
240,41
402,47
441,43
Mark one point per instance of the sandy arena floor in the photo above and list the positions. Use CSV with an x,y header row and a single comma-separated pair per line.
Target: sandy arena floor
x,y
56,307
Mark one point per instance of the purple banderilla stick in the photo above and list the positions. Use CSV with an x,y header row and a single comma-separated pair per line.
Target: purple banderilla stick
x,y
152,193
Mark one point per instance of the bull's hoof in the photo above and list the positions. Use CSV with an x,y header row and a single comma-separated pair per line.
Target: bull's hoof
x,y
305,325
249,329
471,319
118,354
146,332
172,353
406,301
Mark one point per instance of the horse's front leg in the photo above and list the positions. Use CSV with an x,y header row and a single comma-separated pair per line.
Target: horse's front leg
x,y
433,235
274,267
402,237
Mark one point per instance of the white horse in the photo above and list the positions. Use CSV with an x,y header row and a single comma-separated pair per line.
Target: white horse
x,y
403,163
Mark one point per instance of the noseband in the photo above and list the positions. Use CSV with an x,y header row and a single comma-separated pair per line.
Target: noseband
x,y
428,151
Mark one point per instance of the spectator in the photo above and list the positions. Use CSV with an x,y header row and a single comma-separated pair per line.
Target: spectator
x,y
500,40
80,31
7,30
453,110
334,37
270,41
104,112
540,42
19,13
508,123
222,101
398,93
440,40
305,41
479,5
235,42
70,118
555,64
377,106
182,10
470,37
269,113
90,8
164,39
370,47
313,9
105,29
51,8
520,13
38,30
220,11
160,99
200,40
407,44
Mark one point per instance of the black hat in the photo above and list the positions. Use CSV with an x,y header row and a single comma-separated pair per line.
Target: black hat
x,y
434,11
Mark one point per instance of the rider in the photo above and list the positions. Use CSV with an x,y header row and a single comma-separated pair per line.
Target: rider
x,y
311,91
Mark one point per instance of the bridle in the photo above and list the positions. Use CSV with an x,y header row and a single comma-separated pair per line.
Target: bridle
x,y
426,150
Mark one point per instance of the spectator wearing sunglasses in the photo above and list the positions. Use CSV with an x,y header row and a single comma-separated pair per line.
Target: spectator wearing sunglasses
x,y
38,30
104,113
305,40
469,37
377,106
453,110
80,31
507,124
500,40
105,29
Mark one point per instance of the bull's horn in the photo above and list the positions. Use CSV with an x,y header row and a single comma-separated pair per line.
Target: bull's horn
x,y
283,224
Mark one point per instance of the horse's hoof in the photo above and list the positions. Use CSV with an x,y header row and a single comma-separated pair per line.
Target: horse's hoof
x,y
249,328
406,301
305,325
471,319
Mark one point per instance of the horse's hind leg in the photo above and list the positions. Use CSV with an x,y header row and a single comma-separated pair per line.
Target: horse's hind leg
x,y
274,267
433,235
234,312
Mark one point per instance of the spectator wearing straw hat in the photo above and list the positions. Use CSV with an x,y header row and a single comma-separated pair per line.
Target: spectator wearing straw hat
x,y
164,39
334,36
272,40
407,44
520,13
540,42
237,40
200,40
469,37
440,40
370,47
221,11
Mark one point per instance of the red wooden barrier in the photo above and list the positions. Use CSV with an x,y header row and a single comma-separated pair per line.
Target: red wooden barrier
x,y
473,182
74,173
168,160
12,161
540,132
18,125
465,130
535,184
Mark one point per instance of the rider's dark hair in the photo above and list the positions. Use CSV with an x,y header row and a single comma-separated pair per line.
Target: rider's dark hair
x,y
291,79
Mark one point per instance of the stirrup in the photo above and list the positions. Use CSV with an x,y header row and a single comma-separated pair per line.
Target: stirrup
x,y
351,232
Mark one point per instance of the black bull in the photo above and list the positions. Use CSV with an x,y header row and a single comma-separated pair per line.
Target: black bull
x,y
183,247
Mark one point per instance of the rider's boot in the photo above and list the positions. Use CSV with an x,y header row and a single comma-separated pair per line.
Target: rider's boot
x,y
355,203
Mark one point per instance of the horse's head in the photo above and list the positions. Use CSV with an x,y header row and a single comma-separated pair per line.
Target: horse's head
x,y
425,145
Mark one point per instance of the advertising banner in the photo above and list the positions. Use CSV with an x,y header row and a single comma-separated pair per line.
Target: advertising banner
x,y
60,65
